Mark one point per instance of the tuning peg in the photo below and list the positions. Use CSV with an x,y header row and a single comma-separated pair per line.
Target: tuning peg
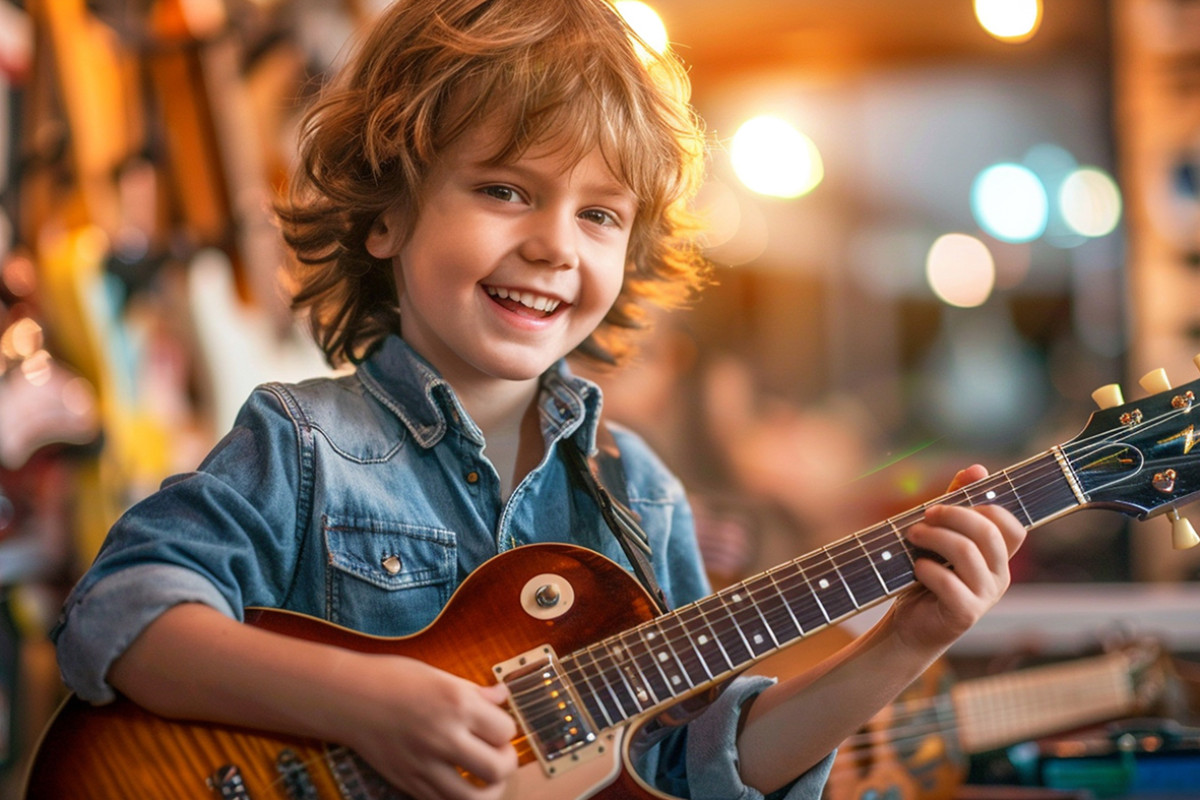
x,y
1155,381
1183,535
1109,396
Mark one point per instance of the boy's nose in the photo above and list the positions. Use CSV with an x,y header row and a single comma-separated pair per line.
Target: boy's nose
x,y
550,238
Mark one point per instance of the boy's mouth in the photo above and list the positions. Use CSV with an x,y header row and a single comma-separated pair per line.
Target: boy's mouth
x,y
523,302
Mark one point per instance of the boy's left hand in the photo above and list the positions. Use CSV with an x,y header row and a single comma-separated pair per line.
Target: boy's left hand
x,y
977,543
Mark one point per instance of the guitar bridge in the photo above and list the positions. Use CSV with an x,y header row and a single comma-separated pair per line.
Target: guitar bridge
x,y
548,710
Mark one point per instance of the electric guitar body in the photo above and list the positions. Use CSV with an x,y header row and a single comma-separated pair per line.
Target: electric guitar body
x,y
119,750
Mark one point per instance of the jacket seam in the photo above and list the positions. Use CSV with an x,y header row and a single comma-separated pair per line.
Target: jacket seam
x,y
304,455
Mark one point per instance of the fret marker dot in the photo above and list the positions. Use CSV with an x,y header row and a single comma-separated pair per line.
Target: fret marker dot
x,y
650,634
663,656
675,680
887,555
703,639
824,584
758,638
737,598
990,495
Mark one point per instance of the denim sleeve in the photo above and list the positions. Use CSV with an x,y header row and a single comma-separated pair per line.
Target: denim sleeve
x,y
225,535
700,762
105,620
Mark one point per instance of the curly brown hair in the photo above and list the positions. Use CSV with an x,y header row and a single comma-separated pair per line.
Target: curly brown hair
x,y
569,72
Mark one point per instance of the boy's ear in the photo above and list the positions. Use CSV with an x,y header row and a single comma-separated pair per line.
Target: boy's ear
x,y
383,239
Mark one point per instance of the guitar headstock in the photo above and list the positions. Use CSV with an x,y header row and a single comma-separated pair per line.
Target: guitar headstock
x,y
1141,458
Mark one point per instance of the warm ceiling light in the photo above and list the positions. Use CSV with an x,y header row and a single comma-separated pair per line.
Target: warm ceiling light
x,y
1009,20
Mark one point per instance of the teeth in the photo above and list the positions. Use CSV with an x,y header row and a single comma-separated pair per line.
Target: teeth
x,y
527,299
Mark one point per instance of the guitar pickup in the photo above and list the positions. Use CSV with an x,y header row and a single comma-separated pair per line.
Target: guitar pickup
x,y
548,710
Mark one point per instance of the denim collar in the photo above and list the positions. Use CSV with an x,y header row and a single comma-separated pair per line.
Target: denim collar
x,y
409,386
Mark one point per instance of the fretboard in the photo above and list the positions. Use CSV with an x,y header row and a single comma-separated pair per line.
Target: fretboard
x,y
1004,709
705,642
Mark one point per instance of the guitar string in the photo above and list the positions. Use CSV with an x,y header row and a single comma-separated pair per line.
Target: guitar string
x,y
1038,468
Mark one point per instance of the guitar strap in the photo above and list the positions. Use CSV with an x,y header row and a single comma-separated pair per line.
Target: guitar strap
x,y
603,477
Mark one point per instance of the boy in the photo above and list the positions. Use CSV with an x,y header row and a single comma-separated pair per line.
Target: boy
x,y
493,185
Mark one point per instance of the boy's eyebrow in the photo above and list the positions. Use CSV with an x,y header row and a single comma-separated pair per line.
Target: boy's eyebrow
x,y
608,187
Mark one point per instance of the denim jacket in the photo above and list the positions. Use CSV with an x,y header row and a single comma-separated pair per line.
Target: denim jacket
x,y
365,500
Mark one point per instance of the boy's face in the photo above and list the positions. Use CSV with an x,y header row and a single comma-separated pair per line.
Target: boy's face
x,y
510,267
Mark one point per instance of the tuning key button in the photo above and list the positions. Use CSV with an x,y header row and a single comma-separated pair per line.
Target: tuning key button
x,y
1109,396
1155,381
1164,481
1183,535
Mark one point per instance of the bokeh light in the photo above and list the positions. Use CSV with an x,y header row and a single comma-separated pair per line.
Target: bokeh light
x,y
645,21
1052,163
1009,20
1010,203
960,270
1090,202
771,157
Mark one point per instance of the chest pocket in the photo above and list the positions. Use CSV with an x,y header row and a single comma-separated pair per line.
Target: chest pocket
x,y
387,578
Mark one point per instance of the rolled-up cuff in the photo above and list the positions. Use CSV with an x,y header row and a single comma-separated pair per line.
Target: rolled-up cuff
x,y
99,624
712,763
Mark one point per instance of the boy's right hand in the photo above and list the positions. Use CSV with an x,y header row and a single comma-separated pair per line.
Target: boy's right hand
x,y
422,728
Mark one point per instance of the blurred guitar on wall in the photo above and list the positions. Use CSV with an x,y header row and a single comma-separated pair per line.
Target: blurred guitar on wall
x,y
918,748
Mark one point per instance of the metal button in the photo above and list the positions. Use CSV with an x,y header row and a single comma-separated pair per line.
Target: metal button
x,y
392,564
472,477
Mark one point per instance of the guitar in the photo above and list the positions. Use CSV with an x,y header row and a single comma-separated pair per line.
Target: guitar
x,y
918,746
592,670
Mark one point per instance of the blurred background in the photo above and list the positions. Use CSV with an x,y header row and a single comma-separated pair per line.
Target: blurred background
x,y
937,226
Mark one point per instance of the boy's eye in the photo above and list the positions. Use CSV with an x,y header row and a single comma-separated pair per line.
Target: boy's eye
x,y
600,217
504,193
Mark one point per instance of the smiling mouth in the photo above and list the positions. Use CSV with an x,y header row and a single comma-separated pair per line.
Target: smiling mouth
x,y
524,302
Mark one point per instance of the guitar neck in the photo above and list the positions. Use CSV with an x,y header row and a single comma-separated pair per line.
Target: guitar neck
x,y
1000,710
701,644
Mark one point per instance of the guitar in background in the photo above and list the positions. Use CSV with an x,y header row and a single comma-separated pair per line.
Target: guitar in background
x,y
919,747
590,667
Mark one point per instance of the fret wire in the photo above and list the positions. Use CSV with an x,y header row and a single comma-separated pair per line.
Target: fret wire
x,y
897,561
603,674
712,637
832,601
592,698
804,596
756,607
748,618
825,618
616,668
737,645
842,578
786,603
727,630
1028,517
850,569
691,654
665,654
871,560
637,655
